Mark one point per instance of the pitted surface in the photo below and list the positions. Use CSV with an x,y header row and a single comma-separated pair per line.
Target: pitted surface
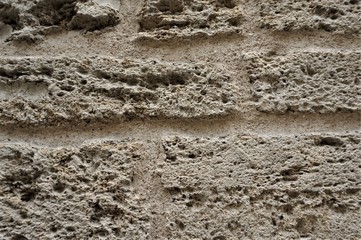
x,y
163,19
315,82
332,16
261,187
71,193
180,119
60,91
30,20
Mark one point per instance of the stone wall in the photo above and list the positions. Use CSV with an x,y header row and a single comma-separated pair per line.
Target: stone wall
x,y
180,119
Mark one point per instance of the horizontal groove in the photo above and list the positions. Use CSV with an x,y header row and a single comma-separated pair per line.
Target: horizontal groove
x,y
148,130
260,40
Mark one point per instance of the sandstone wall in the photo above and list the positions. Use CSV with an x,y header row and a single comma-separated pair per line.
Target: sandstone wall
x,y
180,119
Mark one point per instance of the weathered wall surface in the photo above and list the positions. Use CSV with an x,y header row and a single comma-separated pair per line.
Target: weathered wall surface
x,y
180,119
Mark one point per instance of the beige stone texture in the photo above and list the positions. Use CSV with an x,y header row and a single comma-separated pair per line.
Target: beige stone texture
x,y
332,16
58,91
180,119
307,81
166,19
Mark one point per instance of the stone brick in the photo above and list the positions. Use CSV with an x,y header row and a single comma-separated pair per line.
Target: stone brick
x,y
260,187
31,20
306,82
71,193
60,91
164,19
331,16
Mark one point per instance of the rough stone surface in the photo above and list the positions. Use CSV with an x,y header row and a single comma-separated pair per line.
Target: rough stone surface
x,y
332,16
165,19
91,16
56,91
306,82
262,187
33,19
180,119
71,193
230,187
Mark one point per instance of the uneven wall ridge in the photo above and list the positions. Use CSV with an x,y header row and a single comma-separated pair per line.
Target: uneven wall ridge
x,y
180,119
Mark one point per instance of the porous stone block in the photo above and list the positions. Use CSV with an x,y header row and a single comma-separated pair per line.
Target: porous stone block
x,y
165,19
71,192
61,91
259,187
31,20
341,16
91,16
306,82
